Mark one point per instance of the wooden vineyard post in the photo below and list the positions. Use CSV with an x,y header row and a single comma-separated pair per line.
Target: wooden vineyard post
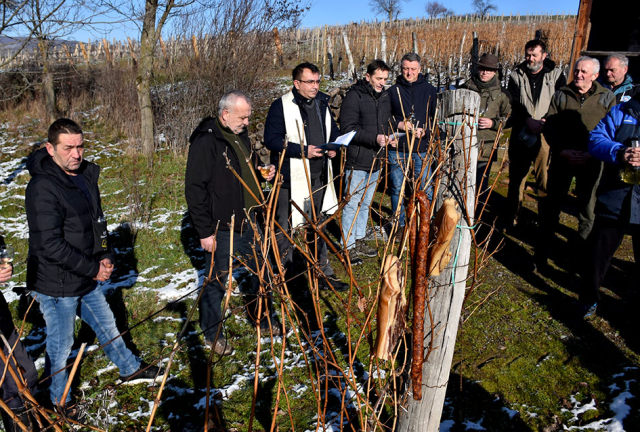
x,y
445,297
352,67
276,37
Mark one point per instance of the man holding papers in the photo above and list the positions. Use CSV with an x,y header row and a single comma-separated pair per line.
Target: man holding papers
x,y
366,110
302,120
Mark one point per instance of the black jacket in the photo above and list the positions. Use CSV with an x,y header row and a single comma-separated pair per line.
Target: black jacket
x,y
61,262
275,132
369,117
213,193
419,98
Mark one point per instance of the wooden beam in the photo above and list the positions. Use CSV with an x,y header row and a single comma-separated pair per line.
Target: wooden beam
x,y
581,35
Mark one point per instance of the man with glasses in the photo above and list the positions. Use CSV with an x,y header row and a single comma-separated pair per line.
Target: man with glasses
x,y
531,85
297,124
495,106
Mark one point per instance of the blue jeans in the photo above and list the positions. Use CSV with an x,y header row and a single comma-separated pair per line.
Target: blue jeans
x,y
361,185
60,316
398,163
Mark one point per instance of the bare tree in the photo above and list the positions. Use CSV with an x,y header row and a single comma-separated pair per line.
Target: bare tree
x,y
483,7
390,8
152,16
48,22
436,9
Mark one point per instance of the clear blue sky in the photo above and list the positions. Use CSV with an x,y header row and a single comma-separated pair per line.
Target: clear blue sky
x,y
345,11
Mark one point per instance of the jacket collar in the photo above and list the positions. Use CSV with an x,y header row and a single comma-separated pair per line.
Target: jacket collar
x,y
402,81
547,66
298,99
41,163
209,125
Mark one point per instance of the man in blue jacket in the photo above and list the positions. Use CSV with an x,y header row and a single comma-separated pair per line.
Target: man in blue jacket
x,y
302,120
413,105
618,202
617,79
68,254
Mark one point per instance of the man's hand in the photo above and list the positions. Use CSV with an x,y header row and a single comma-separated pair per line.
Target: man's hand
x,y
485,123
209,244
313,152
534,126
382,140
331,153
272,173
106,268
5,272
632,156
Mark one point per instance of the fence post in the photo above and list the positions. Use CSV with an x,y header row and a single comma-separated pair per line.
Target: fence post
x,y
458,111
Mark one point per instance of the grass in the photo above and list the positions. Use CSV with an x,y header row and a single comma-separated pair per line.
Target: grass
x,y
521,348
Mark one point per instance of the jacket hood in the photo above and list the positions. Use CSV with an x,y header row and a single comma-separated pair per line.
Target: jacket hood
x,y
401,80
209,125
547,65
206,125
41,163
34,162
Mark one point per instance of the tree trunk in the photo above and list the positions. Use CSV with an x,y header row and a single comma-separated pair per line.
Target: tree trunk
x,y
446,299
145,74
47,82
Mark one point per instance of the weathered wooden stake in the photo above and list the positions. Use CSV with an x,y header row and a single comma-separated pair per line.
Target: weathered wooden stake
x,y
447,290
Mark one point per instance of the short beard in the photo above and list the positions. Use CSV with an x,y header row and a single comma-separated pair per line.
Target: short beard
x,y
535,67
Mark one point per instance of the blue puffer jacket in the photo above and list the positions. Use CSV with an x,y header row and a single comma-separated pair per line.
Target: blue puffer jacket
x,y
616,199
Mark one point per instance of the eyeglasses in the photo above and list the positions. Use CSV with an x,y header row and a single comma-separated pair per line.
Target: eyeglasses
x,y
480,70
310,82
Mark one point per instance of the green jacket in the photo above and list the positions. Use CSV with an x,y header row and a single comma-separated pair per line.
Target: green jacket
x,y
495,104
572,116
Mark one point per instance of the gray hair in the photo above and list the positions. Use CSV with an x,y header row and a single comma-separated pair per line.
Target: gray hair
x,y
410,57
624,61
594,62
229,99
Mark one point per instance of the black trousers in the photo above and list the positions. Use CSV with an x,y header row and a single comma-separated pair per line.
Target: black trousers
x,y
561,173
214,293
9,387
602,244
282,217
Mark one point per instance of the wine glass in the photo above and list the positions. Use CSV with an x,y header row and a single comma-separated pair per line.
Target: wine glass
x,y
6,258
265,169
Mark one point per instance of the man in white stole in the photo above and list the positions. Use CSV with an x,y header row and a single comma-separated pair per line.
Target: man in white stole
x,y
302,119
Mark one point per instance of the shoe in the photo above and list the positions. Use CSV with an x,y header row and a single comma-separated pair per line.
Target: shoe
x,y
73,411
354,258
591,311
331,281
363,250
145,373
276,327
221,347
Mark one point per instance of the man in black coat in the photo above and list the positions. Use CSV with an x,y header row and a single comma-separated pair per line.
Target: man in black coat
x,y
413,105
68,254
215,197
365,109
303,121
